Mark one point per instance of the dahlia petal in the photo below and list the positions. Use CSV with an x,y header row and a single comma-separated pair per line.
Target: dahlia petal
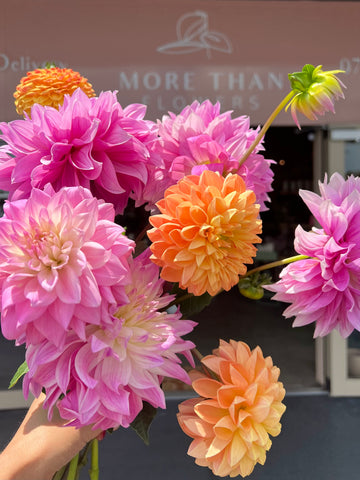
x,y
206,387
108,178
90,295
187,148
96,254
220,466
24,313
84,133
35,295
260,411
172,370
217,446
62,373
48,279
237,450
209,411
196,426
230,438
110,374
62,312
204,262
354,317
82,367
197,448
212,362
246,466
82,160
306,243
67,287
333,220
318,289
51,330
47,269
11,295
107,370
155,396
110,273
263,436
227,394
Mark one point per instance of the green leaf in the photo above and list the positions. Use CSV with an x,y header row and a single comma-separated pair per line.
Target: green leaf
x,y
254,293
189,303
18,374
143,421
251,286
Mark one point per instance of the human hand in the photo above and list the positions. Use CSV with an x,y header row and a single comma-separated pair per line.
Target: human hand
x,y
41,447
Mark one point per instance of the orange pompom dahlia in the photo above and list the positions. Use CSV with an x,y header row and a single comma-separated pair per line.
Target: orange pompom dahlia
x,y
231,423
205,232
47,86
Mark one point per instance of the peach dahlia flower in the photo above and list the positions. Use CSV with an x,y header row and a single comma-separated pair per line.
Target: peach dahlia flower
x,y
231,421
48,86
205,232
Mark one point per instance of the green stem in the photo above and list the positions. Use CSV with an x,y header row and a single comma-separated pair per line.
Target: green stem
x,y
197,354
267,124
142,234
60,474
83,458
73,468
179,300
278,263
94,469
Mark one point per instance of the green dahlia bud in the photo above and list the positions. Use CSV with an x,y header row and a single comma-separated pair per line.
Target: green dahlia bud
x,y
314,92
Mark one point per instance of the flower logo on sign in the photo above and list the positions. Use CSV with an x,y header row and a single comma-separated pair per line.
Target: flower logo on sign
x,y
193,34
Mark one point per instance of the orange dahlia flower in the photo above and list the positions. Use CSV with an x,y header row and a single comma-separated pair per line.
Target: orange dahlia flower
x,y
47,86
231,423
205,232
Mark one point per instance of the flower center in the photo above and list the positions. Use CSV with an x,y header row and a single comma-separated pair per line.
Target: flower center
x,y
49,251
206,231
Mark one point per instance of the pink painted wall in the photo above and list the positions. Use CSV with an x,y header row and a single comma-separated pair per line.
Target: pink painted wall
x,y
167,52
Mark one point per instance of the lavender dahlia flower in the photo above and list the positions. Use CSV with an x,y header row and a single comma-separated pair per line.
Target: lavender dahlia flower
x,y
201,137
92,142
62,260
325,289
105,379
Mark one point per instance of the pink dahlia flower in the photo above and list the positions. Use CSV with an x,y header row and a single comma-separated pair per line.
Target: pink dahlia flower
x,y
92,142
325,288
106,378
62,260
201,137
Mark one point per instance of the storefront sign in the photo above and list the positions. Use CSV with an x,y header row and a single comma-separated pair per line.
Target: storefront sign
x,y
168,53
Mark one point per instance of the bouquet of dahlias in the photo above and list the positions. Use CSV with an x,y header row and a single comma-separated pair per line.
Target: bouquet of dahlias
x,y
100,307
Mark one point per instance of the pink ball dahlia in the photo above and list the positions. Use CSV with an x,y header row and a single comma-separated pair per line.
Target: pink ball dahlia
x,y
325,288
92,142
62,260
201,137
105,379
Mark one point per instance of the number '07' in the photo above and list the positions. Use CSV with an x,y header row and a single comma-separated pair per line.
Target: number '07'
x,y
350,65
